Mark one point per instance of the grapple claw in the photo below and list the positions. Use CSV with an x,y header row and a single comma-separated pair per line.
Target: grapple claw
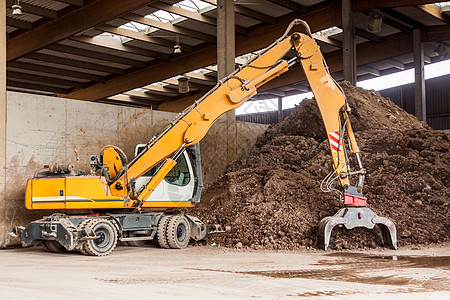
x,y
351,217
388,231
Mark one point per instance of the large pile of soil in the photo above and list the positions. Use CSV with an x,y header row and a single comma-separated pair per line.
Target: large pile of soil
x,y
271,199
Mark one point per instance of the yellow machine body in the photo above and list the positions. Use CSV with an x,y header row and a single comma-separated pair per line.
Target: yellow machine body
x,y
80,192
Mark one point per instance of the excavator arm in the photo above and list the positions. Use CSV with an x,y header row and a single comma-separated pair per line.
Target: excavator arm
x,y
191,125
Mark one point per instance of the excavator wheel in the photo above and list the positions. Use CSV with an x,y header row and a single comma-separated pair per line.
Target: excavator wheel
x,y
81,227
178,232
162,232
106,241
53,246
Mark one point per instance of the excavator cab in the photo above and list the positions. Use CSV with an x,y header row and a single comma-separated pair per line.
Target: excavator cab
x,y
182,181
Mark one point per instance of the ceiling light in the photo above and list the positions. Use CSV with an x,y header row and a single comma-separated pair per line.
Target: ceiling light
x,y
17,9
375,20
177,47
183,85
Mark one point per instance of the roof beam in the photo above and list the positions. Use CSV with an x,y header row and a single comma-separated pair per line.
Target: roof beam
x,y
142,37
34,10
193,15
78,3
432,11
290,5
276,92
148,97
403,18
128,101
368,70
244,11
170,28
97,55
302,88
44,79
319,17
159,90
173,84
367,35
55,71
199,76
369,4
74,63
19,24
396,64
115,44
436,33
327,40
37,87
84,18
396,25
181,103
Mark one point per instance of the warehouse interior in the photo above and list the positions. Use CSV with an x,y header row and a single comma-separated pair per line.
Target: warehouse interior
x,y
78,75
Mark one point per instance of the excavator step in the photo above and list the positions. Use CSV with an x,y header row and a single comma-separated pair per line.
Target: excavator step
x,y
352,217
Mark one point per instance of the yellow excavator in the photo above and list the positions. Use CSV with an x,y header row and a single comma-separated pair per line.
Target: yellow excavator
x,y
132,200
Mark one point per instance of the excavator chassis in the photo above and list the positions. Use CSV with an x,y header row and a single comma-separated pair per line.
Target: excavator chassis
x,y
98,235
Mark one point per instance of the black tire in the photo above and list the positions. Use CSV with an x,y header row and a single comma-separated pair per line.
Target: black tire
x,y
81,227
107,237
162,232
53,246
178,232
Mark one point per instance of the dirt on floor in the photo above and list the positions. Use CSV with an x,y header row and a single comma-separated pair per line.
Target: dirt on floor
x,y
271,199
224,273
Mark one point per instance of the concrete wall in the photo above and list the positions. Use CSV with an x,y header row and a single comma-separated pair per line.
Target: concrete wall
x,y
214,146
43,130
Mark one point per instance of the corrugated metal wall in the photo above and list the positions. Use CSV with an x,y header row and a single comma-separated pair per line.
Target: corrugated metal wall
x,y
269,117
437,95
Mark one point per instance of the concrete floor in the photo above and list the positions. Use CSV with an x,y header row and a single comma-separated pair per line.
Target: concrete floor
x,y
217,273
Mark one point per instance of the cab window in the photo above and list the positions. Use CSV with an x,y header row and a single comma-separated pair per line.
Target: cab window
x,y
179,175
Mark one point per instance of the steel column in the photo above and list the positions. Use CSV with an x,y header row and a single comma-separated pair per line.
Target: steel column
x,y
280,109
2,120
349,46
419,84
225,65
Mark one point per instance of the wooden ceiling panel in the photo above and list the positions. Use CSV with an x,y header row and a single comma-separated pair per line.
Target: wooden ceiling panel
x,y
80,48
84,18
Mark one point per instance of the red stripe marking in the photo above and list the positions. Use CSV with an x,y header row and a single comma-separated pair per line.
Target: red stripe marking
x,y
333,138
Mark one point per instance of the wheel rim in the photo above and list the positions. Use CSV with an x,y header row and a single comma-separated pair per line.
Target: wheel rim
x,y
105,237
181,232
104,240
101,238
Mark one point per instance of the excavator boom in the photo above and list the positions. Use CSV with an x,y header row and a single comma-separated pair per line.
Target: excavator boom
x,y
192,124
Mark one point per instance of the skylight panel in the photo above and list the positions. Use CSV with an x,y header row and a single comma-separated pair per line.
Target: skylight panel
x,y
134,26
329,31
192,5
163,16
443,4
